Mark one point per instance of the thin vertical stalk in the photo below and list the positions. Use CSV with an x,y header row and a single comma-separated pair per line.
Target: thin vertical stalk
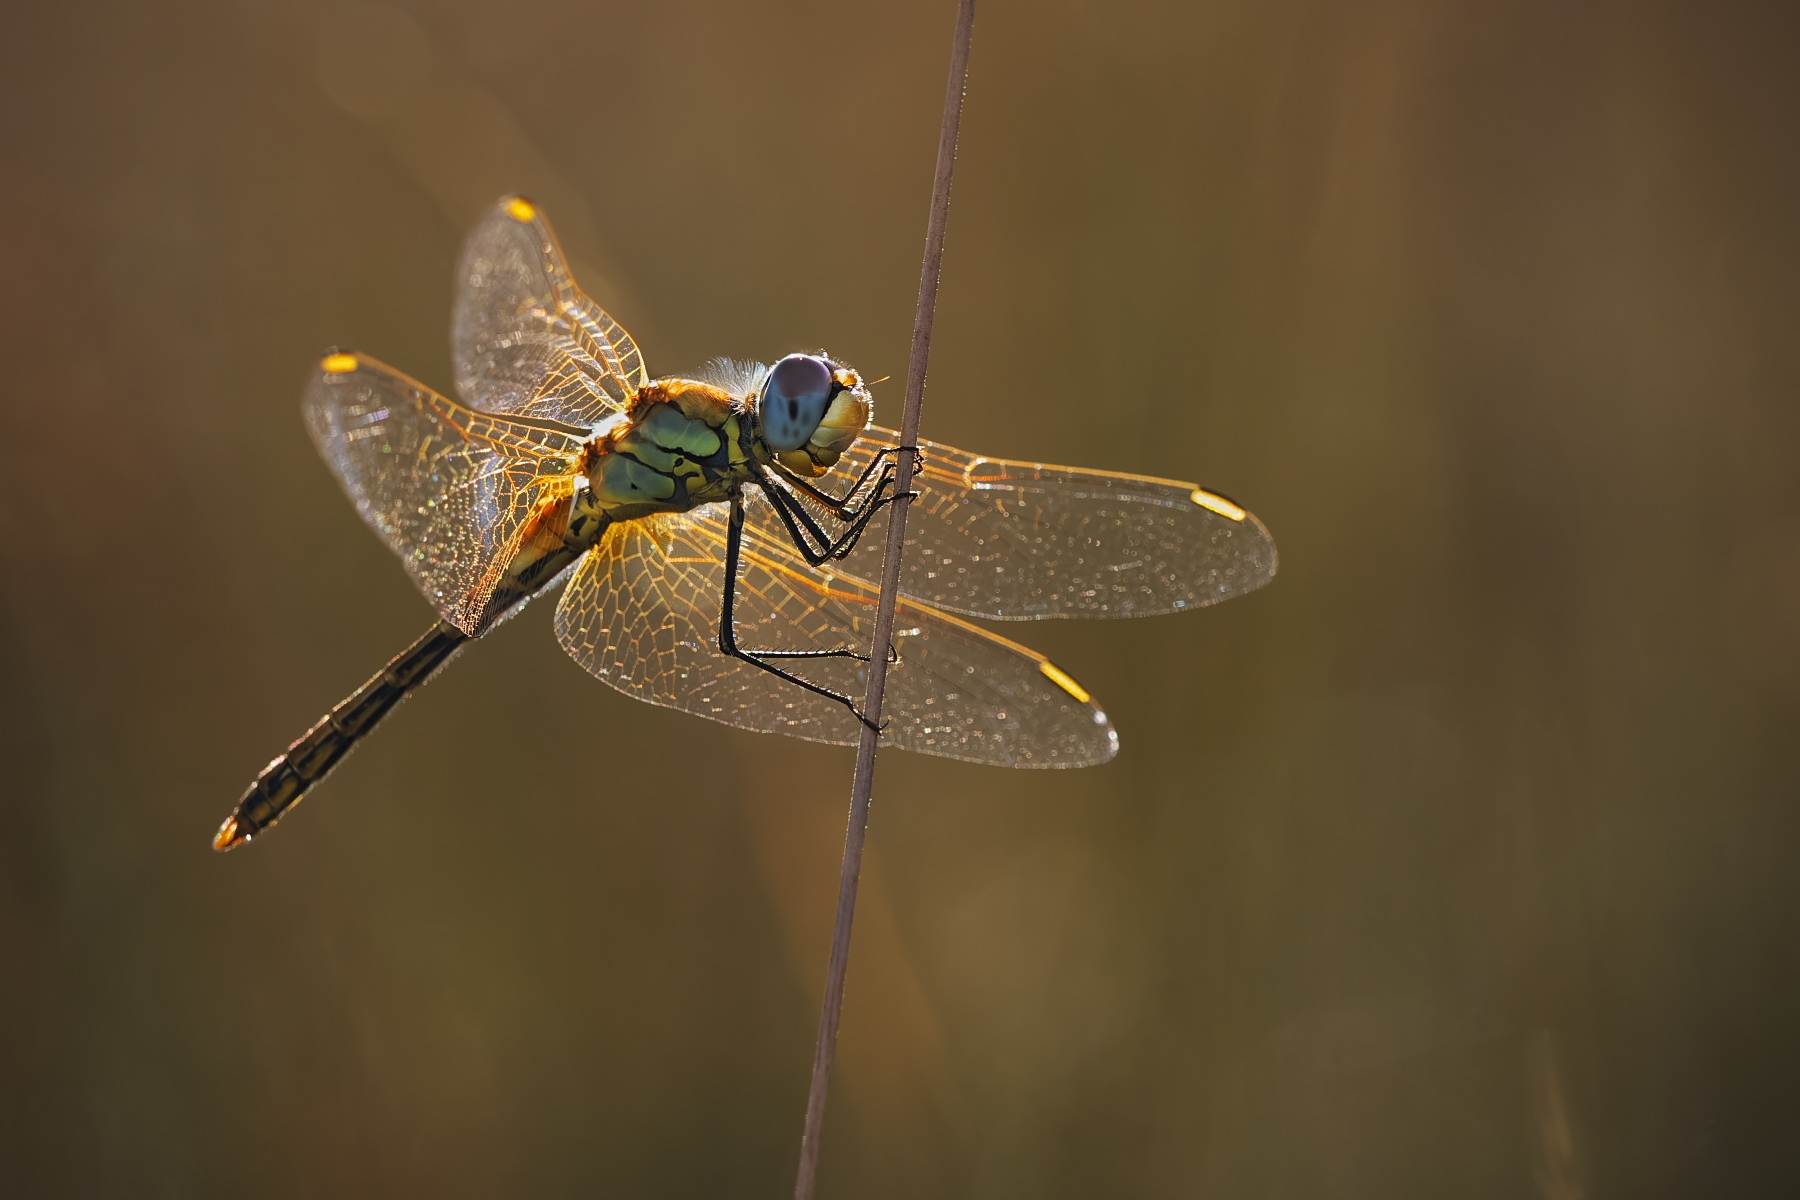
x,y
826,1050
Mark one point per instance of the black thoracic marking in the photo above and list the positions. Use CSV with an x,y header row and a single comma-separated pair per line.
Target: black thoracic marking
x,y
679,480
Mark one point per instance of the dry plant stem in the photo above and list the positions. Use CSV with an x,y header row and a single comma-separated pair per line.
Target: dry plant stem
x,y
858,830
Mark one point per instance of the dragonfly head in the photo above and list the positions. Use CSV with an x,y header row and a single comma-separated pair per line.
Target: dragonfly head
x,y
809,410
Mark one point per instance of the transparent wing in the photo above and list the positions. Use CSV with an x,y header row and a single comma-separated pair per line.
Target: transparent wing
x,y
453,492
525,339
996,538
642,614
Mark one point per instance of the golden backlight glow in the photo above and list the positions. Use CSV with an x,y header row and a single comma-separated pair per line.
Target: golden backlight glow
x,y
1063,680
1218,504
488,507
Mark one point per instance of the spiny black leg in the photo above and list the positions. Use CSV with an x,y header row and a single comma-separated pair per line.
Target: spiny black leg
x,y
848,542
793,514
821,549
842,507
728,644
790,508
836,505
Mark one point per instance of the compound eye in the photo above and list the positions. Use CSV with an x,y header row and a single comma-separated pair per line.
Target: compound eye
x,y
794,401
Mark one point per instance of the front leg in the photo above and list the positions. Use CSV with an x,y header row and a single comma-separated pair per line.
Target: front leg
x,y
813,543
844,506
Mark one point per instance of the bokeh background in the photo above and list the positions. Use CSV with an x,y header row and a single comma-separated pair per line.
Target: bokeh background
x,y
1458,862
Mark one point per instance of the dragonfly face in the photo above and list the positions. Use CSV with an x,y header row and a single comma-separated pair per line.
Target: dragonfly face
x,y
793,400
705,568
809,411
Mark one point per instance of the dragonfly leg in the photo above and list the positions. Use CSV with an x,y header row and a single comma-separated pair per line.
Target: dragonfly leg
x,y
728,643
794,511
844,506
820,547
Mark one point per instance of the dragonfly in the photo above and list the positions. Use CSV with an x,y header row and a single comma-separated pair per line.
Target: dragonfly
x,y
709,534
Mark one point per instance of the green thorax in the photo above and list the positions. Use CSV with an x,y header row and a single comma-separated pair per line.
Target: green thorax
x,y
680,444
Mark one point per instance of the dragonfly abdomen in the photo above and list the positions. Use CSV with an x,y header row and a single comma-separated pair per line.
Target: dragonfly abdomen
x,y
284,781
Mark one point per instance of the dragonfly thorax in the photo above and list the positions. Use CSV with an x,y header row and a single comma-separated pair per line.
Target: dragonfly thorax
x,y
685,442
681,443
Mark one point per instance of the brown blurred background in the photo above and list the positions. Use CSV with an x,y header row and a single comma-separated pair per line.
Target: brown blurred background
x,y
1459,862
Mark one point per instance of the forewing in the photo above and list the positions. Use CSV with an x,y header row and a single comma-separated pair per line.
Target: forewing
x,y
642,614
996,538
525,339
453,492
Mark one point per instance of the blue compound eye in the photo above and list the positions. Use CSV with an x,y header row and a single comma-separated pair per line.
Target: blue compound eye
x,y
794,401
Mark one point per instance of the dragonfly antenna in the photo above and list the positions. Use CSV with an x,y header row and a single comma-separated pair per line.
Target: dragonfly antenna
x,y
858,830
